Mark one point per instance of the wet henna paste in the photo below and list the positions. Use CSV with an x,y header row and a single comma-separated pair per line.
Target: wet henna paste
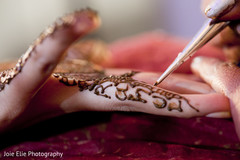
x,y
7,75
98,83
95,80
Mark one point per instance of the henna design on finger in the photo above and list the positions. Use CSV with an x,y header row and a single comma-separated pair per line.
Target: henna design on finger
x,y
100,83
65,21
159,102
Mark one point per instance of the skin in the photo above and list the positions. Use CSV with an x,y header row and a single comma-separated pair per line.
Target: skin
x,y
43,95
230,14
222,76
228,39
27,84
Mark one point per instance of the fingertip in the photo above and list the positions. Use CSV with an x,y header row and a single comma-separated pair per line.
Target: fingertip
x,y
201,62
35,66
83,19
205,68
223,10
196,62
217,8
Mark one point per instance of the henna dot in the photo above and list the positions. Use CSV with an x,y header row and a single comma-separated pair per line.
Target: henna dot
x,y
159,103
55,75
120,95
65,79
174,106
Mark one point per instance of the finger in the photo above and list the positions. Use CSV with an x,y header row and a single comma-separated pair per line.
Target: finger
x,y
228,37
224,78
180,83
119,93
124,93
177,83
19,84
41,58
229,41
184,106
233,14
221,9
232,54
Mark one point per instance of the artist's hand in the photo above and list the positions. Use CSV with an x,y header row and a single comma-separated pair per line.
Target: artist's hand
x,y
229,38
224,77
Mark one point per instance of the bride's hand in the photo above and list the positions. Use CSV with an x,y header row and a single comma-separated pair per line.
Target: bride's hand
x,y
35,90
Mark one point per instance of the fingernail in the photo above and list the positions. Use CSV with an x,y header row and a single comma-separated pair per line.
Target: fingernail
x,y
219,115
196,62
219,7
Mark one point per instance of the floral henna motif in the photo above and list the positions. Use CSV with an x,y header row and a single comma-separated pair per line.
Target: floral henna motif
x,y
98,82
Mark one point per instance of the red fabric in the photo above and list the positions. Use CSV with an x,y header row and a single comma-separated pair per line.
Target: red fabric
x,y
91,135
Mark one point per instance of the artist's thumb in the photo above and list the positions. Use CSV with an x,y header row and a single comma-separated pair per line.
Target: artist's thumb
x,y
224,78
221,9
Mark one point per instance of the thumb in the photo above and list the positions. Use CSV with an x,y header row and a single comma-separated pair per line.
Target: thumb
x,y
221,9
224,78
